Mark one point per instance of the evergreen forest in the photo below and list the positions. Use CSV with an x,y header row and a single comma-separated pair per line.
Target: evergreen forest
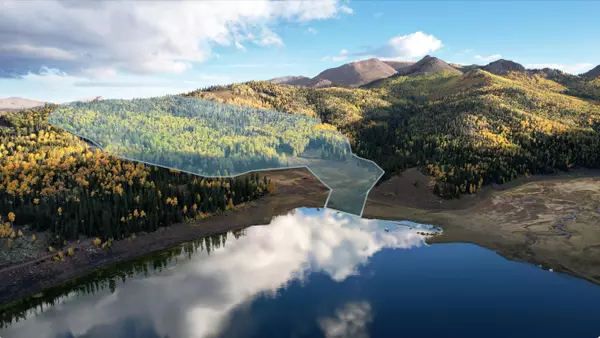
x,y
199,136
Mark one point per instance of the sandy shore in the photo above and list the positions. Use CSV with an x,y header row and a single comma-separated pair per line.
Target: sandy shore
x,y
529,220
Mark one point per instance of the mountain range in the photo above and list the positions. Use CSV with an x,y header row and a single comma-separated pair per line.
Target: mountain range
x,y
359,73
466,126
368,72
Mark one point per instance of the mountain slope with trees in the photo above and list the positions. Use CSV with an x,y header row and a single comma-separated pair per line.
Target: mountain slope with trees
x,y
466,130
51,180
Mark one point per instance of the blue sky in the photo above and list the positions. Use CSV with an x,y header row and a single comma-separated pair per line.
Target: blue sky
x,y
59,52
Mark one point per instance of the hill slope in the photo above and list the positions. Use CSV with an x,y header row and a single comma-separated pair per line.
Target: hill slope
x,y
580,86
466,130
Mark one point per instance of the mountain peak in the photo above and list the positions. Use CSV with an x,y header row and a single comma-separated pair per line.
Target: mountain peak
x,y
502,66
427,65
358,72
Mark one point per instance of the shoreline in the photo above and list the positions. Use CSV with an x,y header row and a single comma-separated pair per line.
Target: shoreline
x,y
295,188
518,220
463,220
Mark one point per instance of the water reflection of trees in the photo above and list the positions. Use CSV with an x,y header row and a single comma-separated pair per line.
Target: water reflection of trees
x,y
107,277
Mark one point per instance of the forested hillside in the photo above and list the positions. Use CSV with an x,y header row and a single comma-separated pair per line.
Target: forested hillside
x,y
211,139
50,180
466,130
200,136
581,86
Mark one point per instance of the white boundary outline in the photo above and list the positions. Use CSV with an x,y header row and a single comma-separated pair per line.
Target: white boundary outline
x,y
246,172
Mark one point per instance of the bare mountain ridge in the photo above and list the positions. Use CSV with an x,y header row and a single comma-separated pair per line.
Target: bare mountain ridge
x,y
358,73
502,66
351,74
18,103
427,65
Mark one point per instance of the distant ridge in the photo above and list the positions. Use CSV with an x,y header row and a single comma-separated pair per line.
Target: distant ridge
x,y
593,73
320,83
90,99
18,103
464,68
397,65
292,80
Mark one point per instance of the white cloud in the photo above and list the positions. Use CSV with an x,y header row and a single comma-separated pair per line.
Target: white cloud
x,y
133,81
288,249
378,15
413,45
350,321
50,53
334,58
343,55
268,38
346,9
139,37
54,85
239,46
306,10
312,31
577,68
100,72
492,57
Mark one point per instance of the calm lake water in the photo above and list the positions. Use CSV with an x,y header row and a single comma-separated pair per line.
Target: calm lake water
x,y
320,274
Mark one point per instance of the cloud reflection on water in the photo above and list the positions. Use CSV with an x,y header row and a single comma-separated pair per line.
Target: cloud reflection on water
x,y
350,321
196,298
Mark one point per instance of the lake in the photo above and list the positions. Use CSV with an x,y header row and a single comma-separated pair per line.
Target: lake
x,y
317,273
